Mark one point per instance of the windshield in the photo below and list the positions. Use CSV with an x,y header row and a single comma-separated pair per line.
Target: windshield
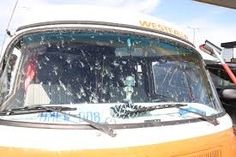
x,y
98,68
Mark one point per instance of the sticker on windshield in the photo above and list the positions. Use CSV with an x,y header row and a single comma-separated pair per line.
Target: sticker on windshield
x,y
59,117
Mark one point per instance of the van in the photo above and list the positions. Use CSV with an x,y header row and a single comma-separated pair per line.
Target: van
x,y
87,81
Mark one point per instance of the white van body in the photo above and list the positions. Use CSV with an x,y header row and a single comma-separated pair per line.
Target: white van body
x,y
127,62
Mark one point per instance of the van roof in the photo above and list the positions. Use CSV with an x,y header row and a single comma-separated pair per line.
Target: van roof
x,y
27,17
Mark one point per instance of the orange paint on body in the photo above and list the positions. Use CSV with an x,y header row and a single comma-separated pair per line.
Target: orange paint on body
x,y
221,144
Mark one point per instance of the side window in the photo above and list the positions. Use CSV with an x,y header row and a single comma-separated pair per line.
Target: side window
x,y
9,72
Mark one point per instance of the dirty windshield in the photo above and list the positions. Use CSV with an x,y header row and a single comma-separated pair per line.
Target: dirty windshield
x,y
102,67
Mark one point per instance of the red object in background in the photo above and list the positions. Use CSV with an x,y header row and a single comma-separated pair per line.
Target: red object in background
x,y
30,73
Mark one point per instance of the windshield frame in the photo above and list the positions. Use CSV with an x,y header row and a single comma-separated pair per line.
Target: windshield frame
x,y
17,38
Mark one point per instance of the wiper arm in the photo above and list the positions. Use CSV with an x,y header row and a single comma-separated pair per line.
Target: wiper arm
x,y
60,109
211,120
130,110
102,127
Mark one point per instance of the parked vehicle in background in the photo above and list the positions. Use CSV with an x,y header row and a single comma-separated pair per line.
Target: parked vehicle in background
x,y
222,81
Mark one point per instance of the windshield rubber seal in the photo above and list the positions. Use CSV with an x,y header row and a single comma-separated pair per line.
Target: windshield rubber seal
x,y
149,123
102,23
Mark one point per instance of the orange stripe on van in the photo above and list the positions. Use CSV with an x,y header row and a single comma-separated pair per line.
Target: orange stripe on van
x,y
221,144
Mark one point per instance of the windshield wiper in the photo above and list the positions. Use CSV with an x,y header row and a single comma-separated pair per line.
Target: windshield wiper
x,y
102,127
60,109
131,110
211,120
35,109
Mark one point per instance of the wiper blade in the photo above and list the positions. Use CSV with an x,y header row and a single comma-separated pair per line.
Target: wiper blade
x,y
60,109
211,120
35,109
131,110
161,97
